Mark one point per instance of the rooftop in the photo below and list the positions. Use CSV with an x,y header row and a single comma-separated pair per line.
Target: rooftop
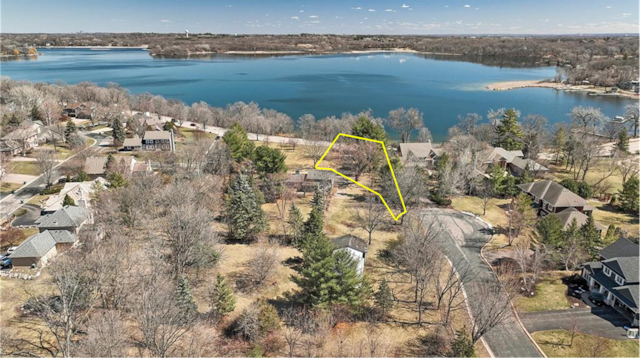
x,y
157,135
554,194
39,244
68,216
621,248
351,242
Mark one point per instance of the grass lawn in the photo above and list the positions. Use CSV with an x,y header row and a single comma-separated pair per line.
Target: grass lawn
x,y
62,153
495,215
607,215
597,171
550,295
556,344
9,187
28,168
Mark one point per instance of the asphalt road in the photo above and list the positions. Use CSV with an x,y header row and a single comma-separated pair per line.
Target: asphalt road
x,y
28,219
462,241
601,321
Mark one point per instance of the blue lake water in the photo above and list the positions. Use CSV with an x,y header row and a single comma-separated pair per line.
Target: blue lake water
x,y
321,85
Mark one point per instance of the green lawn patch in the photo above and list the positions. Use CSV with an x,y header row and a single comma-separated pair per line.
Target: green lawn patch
x,y
9,187
550,295
27,168
606,215
556,344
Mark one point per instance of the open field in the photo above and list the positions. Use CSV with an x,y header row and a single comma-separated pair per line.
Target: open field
x,y
606,215
556,344
28,168
9,187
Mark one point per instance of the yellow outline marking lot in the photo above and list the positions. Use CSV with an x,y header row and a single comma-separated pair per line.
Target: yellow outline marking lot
x,y
371,190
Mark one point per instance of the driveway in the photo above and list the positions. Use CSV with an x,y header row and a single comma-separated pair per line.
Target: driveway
x,y
18,178
601,321
28,219
463,238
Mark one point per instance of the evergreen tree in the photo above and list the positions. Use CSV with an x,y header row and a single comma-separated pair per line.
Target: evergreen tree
x,y
296,224
117,132
318,200
314,224
364,127
623,141
462,345
559,142
612,234
348,282
508,132
238,143
269,160
116,180
244,210
628,196
68,201
111,161
82,176
496,179
69,129
221,298
384,298
549,231
317,277
591,239
184,296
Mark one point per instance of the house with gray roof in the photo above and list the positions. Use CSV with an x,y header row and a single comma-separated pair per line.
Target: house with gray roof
x,y
551,197
615,279
39,249
308,182
158,140
513,160
355,246
419,154
69,218
567,216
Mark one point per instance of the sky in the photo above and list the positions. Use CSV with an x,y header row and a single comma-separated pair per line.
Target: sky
x,y
391,17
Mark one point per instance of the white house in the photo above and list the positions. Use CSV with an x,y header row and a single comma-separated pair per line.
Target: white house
x,y
355,246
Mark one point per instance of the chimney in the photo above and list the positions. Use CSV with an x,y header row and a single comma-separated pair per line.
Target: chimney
x,y
82,203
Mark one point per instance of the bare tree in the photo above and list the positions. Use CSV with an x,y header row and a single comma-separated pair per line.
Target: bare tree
x,y
262,265
46,161
486,192
449,279
159,317
594,346
314,150
405,121
632,115
534,130
293,329
627,168
371,216
490,309
106,336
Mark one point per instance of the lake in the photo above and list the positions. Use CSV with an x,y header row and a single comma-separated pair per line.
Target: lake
x,y
322,85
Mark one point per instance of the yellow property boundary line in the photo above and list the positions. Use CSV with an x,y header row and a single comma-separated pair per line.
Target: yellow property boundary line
x,y
371,190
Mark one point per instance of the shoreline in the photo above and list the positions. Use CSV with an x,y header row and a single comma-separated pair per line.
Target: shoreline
x,y
143,47
590,89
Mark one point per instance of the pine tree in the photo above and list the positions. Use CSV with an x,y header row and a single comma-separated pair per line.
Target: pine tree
x,y
111,161
612,234
591,239
317,275
462,345
348,282
238,142
366,128
68,201
623,141
117,132
384,298
69,129
312,227
549,231
269,160
184,296
221,298
296,224
509,134
559,142
628,196
318,200
244,210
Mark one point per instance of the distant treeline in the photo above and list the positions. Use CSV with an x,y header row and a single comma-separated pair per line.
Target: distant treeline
x,y
603,60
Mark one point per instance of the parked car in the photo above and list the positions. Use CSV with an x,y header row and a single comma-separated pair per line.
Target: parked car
x,y
3,257
193,124
5,263
11,250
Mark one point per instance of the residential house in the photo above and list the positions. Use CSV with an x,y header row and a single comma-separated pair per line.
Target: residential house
x,y
83,110
147,121
158,140
512,160
69,218
567,216
614,278
80,192
10,147
551,197
132,144
25,137
355,246
420,154
39,249
125,164
308,182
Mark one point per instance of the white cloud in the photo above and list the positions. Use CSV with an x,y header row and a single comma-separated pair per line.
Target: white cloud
x,y
294,18
467,6
313,16
446,6
301,10
166,21
315,22
372,10
608,7
356,8
389,10
404,6
229,5
626,14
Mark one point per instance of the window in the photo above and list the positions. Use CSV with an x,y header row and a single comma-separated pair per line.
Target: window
x,y
550,207
619,280
607,271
